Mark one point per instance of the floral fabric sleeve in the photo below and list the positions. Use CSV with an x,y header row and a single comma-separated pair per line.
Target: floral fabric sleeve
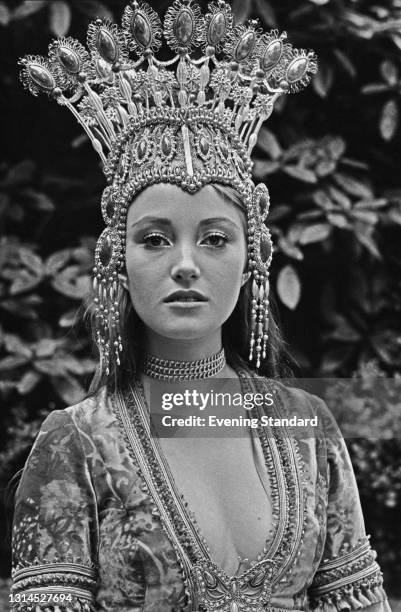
x,y
55,524
348,577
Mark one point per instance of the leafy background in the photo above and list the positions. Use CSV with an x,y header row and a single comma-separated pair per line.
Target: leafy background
x,y
330,157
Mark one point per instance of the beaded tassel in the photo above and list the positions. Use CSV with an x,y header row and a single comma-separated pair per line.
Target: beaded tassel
x,y
108,336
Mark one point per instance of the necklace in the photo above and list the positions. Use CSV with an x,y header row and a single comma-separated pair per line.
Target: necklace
x,y
169,370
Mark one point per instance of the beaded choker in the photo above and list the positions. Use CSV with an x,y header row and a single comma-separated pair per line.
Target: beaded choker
x,y
169,370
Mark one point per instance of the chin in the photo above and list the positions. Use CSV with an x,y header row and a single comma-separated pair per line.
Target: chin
x,y
184,330
184,333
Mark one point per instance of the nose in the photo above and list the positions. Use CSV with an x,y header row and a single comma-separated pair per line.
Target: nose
x,y
185,267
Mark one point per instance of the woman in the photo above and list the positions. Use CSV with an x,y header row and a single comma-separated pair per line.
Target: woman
x,y
108,515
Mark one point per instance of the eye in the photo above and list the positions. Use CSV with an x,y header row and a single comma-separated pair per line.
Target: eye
x,y
155,240
216,239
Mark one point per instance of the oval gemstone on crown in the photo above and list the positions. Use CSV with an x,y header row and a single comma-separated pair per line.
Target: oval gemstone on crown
x,y
166,145
141,30
262,200
184,26
204,145
69,59
142,149
217,28
106,251
106,45
296,69
245,46
272,55
110,207
265,247
41,76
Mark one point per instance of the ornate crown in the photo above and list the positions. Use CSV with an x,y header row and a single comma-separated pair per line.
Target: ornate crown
x,y
189,120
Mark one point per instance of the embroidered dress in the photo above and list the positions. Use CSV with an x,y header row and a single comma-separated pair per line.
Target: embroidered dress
x,y
99,524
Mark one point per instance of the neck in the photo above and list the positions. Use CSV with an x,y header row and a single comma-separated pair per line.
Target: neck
x,y
183,350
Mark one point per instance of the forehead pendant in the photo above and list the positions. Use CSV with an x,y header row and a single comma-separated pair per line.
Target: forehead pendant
x,y
190,120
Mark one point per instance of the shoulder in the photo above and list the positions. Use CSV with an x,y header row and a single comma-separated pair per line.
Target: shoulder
x,y
289,401
293,398
87,415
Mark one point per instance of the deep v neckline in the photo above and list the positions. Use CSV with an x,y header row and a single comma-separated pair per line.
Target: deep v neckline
x,y
178,501
181,500
209,584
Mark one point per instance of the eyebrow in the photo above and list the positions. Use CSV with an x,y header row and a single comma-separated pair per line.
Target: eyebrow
x,y
167,222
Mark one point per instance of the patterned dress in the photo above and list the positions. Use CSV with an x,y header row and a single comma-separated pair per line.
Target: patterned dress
x,y
100,526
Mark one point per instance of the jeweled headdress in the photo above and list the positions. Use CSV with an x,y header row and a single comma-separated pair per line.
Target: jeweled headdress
x,y
189,120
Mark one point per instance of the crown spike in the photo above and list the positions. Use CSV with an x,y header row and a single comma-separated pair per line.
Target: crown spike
x,y
238,77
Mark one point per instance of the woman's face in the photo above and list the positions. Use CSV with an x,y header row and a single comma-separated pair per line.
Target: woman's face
x,y
185,256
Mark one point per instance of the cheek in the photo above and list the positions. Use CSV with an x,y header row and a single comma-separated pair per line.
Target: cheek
x,y
140,275
227,274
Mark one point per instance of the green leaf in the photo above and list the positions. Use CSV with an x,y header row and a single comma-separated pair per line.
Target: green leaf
x,y
5,14
363,232
343,331
289,287
389,72
265,10
24,282
94,9
323,80
309,215
278,212
334,359
321,198
28,382
20,174
14,344
396,38
295,231
38,200
389,120
263,168
32,261
353,186
289,249
336,146
69,282
68,389
340,198
51,367
56,261
269,143
346,62
325,167
13,361
367,216
395,216
22,307
315,233
45,347
338,220
301,173
60,17
371,204
373,88
68,319
28,7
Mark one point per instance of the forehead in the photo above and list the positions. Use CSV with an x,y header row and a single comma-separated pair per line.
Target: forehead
x,y
180,206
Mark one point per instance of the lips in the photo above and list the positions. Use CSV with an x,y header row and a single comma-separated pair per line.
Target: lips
x,y
185,296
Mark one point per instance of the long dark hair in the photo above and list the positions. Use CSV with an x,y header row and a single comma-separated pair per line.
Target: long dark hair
x,y
235,333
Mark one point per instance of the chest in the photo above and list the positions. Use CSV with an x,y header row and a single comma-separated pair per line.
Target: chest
x,y
225,483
